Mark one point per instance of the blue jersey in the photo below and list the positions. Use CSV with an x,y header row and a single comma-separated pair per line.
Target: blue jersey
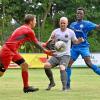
x,y
81,29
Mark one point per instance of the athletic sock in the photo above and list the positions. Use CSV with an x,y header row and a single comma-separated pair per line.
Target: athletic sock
x,y
63,78
96,69
49,75
68,73
25,78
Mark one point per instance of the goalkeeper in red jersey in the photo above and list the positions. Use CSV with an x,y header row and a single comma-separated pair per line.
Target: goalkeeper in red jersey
x,y
9,51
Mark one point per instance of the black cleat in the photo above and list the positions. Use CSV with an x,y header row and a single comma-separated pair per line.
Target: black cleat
x,y
30,89
64,89
50,86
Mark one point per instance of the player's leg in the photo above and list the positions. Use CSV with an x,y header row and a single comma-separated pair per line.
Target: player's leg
x,y
74,55
86,56
5,58
24,66
48,72
63,63
95,68
63,77
2,69
69,72
25,78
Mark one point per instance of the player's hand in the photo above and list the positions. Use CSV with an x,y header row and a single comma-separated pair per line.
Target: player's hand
x,y
81,39
49,52
49,45
44,45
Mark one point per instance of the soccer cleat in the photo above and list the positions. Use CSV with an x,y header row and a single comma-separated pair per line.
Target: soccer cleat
x,y
64,89
30,89
50,86
68,86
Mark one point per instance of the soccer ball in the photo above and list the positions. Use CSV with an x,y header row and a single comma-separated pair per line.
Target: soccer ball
x,y
60,46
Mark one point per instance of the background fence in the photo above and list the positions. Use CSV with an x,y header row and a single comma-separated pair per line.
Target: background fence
x,y
37,60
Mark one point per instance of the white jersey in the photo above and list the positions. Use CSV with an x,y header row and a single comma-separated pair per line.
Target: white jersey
x,y
67,36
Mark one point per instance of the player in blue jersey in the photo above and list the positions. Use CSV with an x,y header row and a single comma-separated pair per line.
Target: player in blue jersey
x,y
81,28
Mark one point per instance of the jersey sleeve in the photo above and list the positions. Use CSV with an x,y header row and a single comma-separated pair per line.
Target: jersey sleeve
x,y
32,36
73,36
52,36
90,26
71,26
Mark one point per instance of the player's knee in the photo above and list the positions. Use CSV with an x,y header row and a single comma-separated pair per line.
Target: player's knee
x,y
62,67
88,64
2,70
24,66
47,65
1,74
70,62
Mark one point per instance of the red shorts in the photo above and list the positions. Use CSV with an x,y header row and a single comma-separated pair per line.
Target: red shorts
x,y
6,56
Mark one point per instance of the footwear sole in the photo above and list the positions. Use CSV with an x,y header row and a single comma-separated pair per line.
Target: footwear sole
x,y
32,90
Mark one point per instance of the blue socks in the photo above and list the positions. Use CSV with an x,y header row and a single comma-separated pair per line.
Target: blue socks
x,y
95,69
68,72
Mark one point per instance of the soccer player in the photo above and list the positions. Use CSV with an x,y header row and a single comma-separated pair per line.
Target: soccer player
x,y
60,34
9,51
81,28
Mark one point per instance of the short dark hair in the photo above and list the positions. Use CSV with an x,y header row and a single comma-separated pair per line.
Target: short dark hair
x,y
81,8
28,18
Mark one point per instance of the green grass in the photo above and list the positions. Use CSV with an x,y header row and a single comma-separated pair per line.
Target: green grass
x,y
85,86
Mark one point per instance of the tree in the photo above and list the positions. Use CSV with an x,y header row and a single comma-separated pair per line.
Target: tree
x,y
48,13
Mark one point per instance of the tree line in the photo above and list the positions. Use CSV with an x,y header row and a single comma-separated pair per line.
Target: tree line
x,y
48,12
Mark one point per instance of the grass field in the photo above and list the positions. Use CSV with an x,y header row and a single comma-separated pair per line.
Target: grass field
x,y
85,86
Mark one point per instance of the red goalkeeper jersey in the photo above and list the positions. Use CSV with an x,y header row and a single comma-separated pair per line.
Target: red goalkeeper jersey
x,y
20,36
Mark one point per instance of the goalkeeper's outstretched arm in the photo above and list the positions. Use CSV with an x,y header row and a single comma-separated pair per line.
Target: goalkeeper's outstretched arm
x,y
40,46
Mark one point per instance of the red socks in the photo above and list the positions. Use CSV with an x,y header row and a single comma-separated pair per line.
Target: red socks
x,y
25,78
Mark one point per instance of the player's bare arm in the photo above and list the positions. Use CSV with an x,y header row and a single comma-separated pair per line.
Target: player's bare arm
x,y
78,41
51,39
98,26
40,46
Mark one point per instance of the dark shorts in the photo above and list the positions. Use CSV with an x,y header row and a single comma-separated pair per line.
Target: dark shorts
x,y
63,60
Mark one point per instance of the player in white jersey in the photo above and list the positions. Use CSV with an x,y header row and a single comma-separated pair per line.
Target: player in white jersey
x,y
67,35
